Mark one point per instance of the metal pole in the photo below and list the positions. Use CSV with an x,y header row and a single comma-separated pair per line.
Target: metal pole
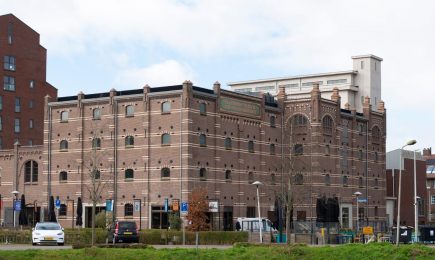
x,y
357,215
259,216
13,205
398,198
415,200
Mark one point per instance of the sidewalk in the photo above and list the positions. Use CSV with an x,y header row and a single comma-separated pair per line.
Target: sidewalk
x,y
192,246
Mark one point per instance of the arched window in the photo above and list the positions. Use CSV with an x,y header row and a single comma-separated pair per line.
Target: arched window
x,y
272,148
376,156
202,174
129,141
272,179
327,180
360,182
166,139
64,116
128,210
228,143
250,177
63,176
345,180
272,121
31,171
96,143
228,175
202,109
327,124
165,173
299,179
202,140
166,107
96,174
96,114
298,149
376,135
62,210
64,145
376,183
129,111
327,149
300,121
251,146
129,174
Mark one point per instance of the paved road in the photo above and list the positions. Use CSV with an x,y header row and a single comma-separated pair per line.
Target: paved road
x,y
26,247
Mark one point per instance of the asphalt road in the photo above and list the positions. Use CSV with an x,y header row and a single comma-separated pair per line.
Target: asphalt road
x,y
26,247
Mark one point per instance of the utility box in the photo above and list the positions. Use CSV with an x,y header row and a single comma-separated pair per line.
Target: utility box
x,y
427,234
405,234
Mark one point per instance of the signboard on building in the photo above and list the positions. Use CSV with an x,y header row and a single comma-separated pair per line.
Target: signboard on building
x,y
137,205
237,106
175,205
166,205
213,206
109,205
362,200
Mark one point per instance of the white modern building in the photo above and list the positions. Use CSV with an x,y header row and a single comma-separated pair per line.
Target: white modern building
x,y
363,80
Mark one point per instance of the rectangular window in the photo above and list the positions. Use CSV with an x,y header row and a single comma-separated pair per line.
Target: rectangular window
x,y
10,33
336,81
32,84
345,217
17,125
264,88
1,124
17,105
30,142
432,199
31,103
9,63
250,212
310,84
243,90
1,143
31,123
420,208
9,83
292,87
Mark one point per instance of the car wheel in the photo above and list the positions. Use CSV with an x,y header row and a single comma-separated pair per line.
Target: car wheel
x,y
33,244
60,244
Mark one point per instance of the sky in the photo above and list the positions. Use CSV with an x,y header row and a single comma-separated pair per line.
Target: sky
x,y
97,45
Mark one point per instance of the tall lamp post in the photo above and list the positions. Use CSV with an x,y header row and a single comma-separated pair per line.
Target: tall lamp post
x,y
415,198
357,194
15,193
411,142
428,205
257,183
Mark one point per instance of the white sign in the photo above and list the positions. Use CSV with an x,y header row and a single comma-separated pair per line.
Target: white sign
x,y
213,206
137,206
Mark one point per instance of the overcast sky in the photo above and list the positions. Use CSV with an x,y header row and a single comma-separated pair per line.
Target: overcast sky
x,y
94,46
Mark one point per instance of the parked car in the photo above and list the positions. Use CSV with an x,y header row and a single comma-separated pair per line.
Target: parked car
x,y
251,224
48,233
123,231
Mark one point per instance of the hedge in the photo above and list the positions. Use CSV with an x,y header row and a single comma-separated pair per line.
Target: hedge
x,y
149,236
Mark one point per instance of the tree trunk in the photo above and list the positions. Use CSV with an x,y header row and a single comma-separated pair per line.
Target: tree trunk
x,y
93,221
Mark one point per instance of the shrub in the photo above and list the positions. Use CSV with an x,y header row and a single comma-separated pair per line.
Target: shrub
x,y
175,221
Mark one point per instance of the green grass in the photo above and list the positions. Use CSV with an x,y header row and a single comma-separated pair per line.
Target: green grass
x,y
355,251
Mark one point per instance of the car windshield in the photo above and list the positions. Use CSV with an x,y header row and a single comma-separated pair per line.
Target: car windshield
x,y
127,225
48,226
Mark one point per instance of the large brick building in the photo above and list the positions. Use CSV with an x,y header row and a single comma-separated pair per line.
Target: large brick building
x,y
153,144
24,84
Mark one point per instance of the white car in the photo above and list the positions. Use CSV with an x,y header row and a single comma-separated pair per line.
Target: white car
x,y
48,233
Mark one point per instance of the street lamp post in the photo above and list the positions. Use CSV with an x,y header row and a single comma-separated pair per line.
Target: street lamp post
x,y
411,142
357,194
257,183
15,193
415,198
428,205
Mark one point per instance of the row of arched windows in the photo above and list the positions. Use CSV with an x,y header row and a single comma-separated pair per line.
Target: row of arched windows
x,y
96,113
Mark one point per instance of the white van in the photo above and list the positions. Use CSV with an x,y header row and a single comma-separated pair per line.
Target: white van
x,y
251,224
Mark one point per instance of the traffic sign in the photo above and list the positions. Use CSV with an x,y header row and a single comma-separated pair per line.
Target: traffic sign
x,y
17,205
184,207
57,203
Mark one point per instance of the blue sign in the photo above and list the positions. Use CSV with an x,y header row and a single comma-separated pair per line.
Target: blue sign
x,y
184,207
362,200
17,205
57,203
166,205
109,205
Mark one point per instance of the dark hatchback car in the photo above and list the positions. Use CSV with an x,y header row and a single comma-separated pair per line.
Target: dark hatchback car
x,y
123,231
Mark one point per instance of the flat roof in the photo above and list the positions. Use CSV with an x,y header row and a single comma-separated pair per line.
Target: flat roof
x,y
367,56
292,77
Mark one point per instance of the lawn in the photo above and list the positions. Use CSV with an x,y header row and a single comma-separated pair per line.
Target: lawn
x,y
356,251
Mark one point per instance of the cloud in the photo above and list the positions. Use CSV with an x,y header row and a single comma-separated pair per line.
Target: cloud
x,y
169,72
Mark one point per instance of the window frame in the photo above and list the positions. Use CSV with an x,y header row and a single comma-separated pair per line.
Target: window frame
x,y
96,113
251,146
166,107
9,83
129,174
129,141
96,143
129,111
165,173
63,145
64,116
166,139
9,63
202,109
128,210
272,121
228,143
63,176
31,168
202,140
